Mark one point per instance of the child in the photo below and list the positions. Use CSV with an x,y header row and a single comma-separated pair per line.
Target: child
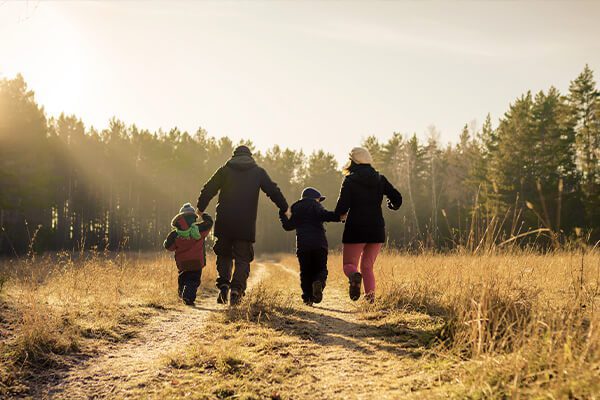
x,y
187,241
307,219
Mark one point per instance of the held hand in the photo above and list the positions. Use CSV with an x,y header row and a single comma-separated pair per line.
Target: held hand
x,y
288,213
343,217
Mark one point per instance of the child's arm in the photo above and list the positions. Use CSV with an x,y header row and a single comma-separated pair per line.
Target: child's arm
x,y
287,223
206,224
328,216
169,242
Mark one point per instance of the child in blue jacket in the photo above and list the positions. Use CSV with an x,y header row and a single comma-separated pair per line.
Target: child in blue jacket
x,y
308,216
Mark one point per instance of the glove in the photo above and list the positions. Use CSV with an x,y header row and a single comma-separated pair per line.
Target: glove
x,y
392,206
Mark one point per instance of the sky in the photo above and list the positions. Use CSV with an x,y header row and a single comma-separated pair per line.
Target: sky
x,y
304,75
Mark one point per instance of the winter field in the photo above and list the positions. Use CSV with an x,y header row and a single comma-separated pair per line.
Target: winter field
x,y
508,325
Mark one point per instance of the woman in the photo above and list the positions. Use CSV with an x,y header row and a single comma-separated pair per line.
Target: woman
x,y
364,234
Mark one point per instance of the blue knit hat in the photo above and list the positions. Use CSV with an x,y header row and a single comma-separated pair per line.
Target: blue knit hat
x,y
312,193
187,208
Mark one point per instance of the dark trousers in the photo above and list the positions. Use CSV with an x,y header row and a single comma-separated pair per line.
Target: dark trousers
x,y
313,267
188,284
229,253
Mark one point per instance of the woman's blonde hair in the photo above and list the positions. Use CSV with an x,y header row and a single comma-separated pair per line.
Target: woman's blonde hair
x,y
348,167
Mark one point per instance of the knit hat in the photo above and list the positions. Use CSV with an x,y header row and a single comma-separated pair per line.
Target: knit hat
x,y
187,208
360,155
312,193
185,219
242,151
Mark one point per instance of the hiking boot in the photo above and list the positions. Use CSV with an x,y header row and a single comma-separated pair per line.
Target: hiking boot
x,y
235,297
355,282
308,302
370,297
223,294
317,291
188,302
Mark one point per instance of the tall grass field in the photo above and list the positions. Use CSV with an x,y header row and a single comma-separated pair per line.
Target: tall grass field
x,y
513,324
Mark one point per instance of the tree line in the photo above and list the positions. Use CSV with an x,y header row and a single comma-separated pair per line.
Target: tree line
x,y
532,178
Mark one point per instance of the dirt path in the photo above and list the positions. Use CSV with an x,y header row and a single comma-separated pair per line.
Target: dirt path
x,y
136,362
354,358
340,354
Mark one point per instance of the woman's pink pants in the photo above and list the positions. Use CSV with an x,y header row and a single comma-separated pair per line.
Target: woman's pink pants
x,y
366,254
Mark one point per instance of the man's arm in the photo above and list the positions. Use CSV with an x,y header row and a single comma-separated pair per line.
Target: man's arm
x,y
272,191
287,223
210,190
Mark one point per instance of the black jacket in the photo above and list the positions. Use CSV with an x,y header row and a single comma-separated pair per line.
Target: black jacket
x,y
361,196
307,219
238,183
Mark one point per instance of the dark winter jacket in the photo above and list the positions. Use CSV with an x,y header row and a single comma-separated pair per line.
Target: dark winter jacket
x,y
307,219
361,196
238,183
187,241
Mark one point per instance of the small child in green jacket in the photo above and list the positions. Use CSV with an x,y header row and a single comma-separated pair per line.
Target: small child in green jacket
x,y
187,241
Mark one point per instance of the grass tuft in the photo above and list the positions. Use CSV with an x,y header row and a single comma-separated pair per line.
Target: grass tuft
x,y
260,303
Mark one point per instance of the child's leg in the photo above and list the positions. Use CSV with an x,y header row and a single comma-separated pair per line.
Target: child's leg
x,y
319,273
367,262
180,284
352,252
321,266
191,281
304,259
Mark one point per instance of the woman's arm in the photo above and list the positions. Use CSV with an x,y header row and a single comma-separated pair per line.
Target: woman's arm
x,y
394,197
344,200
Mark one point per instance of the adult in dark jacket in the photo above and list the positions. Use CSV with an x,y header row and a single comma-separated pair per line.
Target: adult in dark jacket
x,y
360,201
308,216
238,184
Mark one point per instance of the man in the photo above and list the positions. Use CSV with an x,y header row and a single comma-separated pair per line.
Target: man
x,y
238,183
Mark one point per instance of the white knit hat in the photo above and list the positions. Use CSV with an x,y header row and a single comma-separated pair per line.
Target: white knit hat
x,y
360,155
187,208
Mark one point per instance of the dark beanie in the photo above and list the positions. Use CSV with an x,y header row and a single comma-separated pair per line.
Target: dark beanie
x,y
312,193
242,151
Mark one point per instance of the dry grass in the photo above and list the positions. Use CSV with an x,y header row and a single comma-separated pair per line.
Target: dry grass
x,y
64,304
507,325
524,323
513,325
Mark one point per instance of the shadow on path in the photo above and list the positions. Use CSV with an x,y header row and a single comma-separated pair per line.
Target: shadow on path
x,y
328,330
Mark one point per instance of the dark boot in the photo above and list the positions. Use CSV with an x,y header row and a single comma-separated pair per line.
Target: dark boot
x,y
188,302
222,298
317,291
355,283
235,297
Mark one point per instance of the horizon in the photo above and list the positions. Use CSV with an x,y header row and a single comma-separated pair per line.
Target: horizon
x,y
286,73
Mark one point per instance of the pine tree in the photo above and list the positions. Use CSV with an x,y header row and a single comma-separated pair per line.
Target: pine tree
x,y
584,99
